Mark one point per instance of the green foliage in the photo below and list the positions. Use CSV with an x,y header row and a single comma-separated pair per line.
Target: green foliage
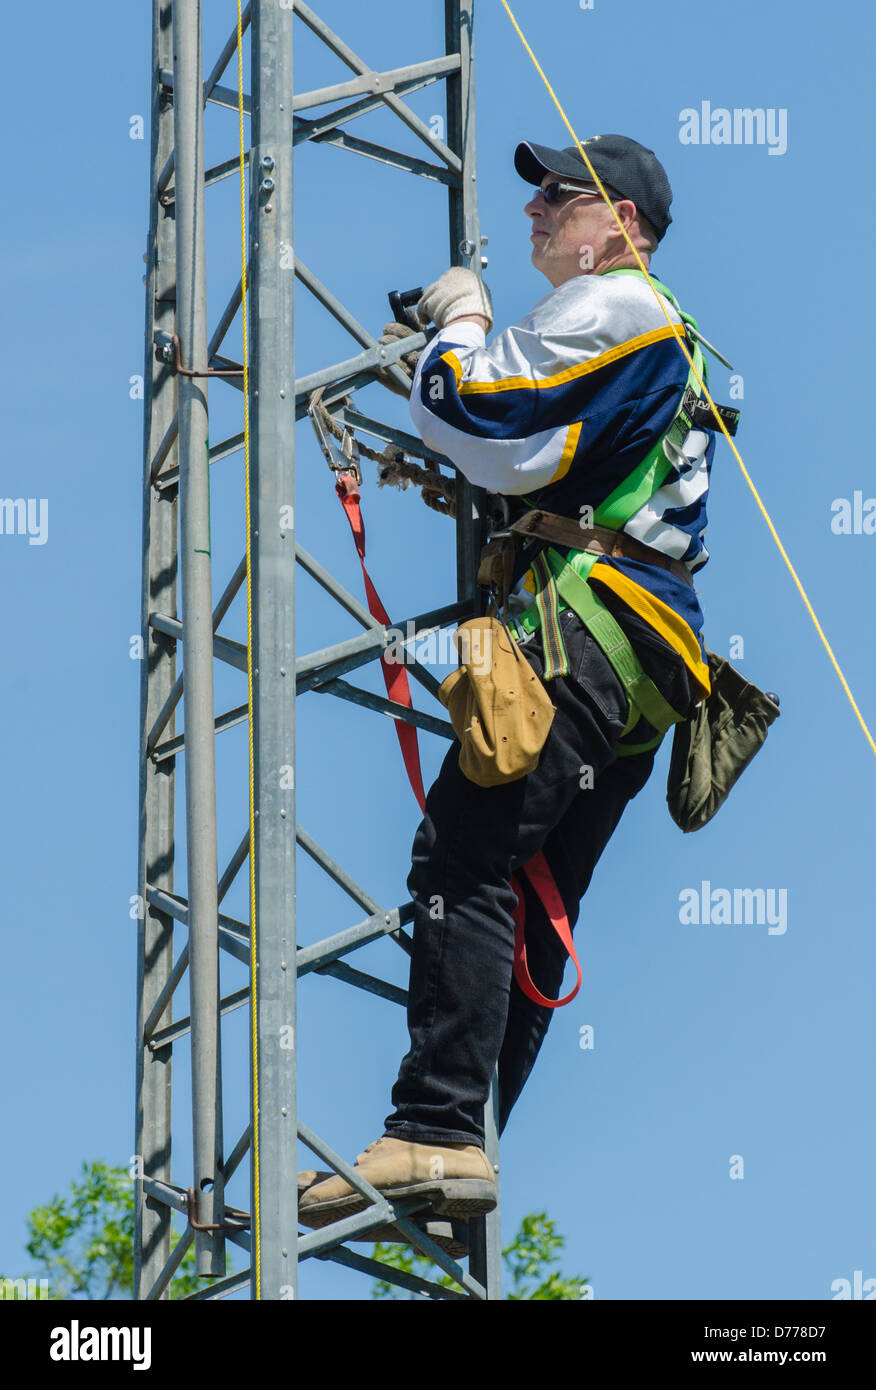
x,y
84,1242
527,1265
84,1246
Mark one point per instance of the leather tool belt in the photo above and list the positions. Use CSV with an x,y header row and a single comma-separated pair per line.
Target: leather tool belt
x,y
565,530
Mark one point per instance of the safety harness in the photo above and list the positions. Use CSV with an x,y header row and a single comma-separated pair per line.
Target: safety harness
x,y
562,580
563,584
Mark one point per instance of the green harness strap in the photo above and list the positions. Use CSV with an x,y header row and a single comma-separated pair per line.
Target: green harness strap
x,y
649,474
563,584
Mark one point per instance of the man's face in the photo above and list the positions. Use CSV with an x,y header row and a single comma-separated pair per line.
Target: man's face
x,y
571,236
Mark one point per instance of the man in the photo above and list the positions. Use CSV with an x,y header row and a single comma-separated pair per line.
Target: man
x,y
555,414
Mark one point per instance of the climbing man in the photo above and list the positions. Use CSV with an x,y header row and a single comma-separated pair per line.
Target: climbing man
x,y
582,419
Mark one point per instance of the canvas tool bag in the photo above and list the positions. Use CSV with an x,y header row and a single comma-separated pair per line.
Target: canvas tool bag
x,y
712,749
500,710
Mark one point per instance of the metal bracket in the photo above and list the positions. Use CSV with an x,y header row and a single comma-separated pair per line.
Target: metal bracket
x,y
168,350
238,1219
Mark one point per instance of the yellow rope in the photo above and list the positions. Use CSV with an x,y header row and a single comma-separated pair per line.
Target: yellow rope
x,y
701,383
253,974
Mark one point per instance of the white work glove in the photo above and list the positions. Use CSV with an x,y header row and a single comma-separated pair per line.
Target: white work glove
x,y
456,292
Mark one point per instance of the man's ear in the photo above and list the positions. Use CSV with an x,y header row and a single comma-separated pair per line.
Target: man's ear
x,y
626,211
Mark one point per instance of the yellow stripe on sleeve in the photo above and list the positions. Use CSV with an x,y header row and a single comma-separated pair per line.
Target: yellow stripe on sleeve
x,y
454,363
519,383
565,463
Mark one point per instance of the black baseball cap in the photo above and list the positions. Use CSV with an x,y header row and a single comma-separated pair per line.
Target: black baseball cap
x,y
623,164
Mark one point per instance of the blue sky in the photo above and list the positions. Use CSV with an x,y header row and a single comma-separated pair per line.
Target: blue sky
x,y
711,1041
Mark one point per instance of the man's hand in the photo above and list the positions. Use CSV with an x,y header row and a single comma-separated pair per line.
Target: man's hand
x,y
456,294
391,334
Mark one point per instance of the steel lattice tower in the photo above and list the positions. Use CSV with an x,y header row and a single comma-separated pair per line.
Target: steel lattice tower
x,y
182,641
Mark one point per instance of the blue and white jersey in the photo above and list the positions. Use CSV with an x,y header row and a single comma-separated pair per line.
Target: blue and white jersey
x,y
559,410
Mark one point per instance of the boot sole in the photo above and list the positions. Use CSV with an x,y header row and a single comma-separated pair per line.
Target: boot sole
x,y
460,1197
441,1232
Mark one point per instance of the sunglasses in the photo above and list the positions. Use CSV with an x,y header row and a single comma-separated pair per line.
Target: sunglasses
x,y
553,192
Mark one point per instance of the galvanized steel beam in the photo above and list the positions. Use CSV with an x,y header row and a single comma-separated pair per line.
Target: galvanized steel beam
x,y
153,1070
177,458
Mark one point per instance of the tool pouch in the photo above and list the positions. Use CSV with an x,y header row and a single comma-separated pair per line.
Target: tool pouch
x,y
712,749
500,710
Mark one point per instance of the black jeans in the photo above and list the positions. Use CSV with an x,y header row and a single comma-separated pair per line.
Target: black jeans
x,y
465,1010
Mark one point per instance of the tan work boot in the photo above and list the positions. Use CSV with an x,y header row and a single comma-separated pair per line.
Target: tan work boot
x,y
449,1236
457,1180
